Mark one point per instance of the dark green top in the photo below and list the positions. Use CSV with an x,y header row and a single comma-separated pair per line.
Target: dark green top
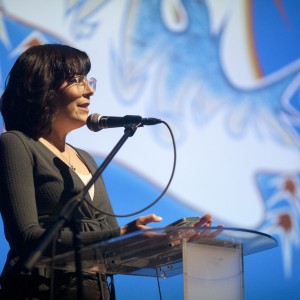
x,y
34,185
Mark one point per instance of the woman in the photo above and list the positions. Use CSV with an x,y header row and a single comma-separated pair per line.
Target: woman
x,y
47,96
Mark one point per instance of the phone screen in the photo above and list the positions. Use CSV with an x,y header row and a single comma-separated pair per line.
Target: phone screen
x,y
185,222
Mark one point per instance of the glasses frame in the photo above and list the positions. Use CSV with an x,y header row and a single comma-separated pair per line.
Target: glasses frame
x,y
81,80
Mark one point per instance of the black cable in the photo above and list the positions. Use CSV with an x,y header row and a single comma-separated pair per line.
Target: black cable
x,y
162,193
52,269
158,284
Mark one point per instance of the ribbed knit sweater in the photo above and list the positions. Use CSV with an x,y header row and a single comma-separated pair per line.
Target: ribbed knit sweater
x,y
34,186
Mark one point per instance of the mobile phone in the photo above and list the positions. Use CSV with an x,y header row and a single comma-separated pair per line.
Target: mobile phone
x,y
185,222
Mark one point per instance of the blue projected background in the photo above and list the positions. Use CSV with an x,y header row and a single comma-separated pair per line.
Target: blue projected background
x,y
225,76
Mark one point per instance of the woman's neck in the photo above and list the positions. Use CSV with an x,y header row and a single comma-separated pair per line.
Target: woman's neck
x,y
58,140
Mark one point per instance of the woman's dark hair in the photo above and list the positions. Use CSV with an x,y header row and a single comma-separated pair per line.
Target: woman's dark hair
x,y
28,103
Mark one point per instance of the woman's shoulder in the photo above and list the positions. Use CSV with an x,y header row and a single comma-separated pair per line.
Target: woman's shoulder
x,y
87,157
84,154
15,143
14,135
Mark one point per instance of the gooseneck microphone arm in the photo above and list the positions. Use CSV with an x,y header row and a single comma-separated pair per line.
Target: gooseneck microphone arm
x,y
67,212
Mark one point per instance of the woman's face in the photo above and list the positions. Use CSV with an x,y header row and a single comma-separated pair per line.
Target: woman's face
x,y
74,100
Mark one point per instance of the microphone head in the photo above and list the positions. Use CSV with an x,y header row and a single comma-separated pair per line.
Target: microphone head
x,y
92,122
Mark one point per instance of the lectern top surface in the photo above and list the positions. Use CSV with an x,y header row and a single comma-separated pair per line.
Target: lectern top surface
x,y
158,252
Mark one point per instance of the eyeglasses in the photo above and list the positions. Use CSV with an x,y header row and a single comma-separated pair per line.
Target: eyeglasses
x,y
81,80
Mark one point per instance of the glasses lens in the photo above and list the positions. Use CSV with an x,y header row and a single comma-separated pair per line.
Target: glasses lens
x,y
92,82
82,81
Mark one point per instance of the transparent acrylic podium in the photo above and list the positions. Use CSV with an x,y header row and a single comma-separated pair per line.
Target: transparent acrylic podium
x,y
212,266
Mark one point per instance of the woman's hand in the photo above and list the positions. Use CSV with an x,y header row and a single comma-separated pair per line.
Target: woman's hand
x,y
196,232
205,222
140,223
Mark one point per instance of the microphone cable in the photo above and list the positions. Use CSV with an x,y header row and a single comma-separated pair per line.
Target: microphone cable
x,y
162,193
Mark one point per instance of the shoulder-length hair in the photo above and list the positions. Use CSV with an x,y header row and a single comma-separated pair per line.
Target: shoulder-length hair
x,y
28,103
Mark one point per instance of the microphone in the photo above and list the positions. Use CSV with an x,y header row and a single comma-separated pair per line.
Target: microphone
x,y
96,122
